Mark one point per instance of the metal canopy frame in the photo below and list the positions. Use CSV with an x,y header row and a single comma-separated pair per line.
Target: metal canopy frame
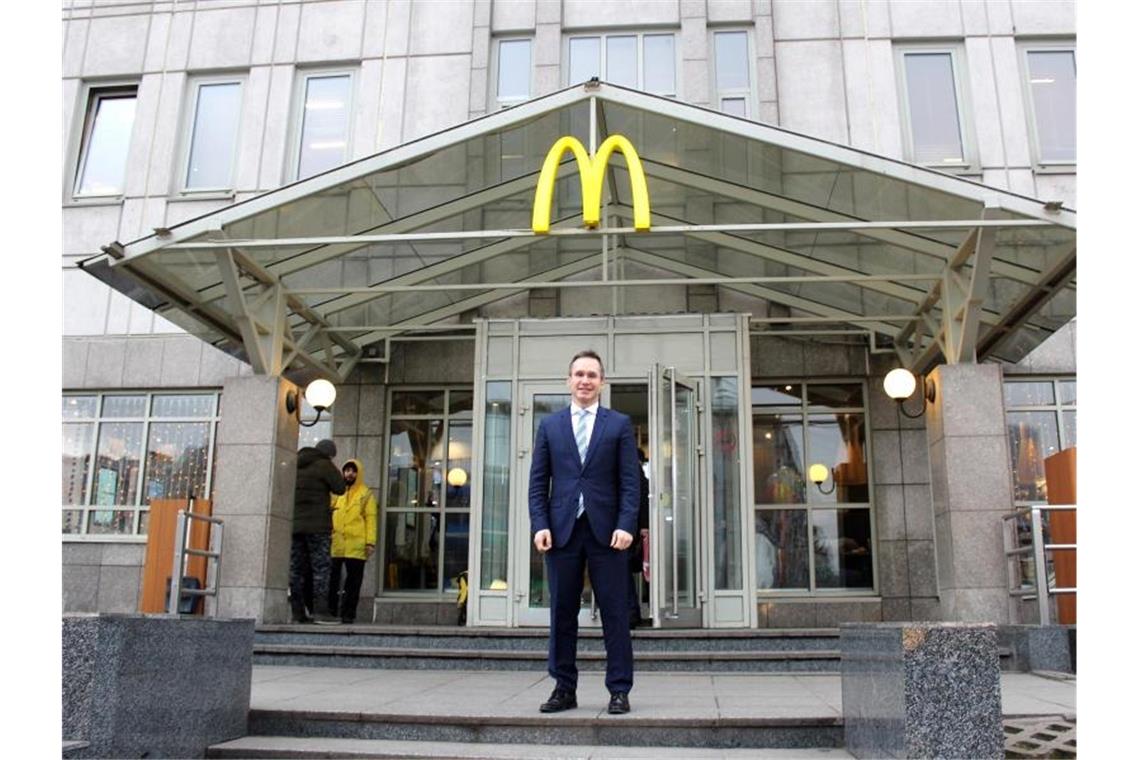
x,y
252,294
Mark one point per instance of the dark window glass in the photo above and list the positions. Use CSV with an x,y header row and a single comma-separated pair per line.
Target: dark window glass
x,y
411,551
417,402
784,394
842,545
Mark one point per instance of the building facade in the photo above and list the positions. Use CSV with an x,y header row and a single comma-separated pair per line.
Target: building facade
x,y
176,113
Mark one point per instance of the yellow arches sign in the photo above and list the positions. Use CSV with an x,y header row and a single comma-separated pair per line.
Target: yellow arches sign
x,y
591,172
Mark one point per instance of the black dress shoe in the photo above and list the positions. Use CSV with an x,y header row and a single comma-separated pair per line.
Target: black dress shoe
x,y
560,699
619,703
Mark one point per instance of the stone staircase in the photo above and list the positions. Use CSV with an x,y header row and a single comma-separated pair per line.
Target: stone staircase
x,y
437,648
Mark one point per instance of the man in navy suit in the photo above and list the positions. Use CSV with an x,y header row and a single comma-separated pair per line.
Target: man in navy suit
x,y
584,488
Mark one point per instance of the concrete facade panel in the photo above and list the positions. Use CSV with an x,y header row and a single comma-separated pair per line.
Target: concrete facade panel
x,y
811,87
830,614
285,44
241,477
977,77
442,27
1057,355
944,548
375,29
776,357
264,32
915,458
74,47
883,91
893,572
123,555
923,580
278,551
166,172
481,14
890,513
105,364
858,18
217,367
1057,187
587,14
548,13
437,94
119,589
933,18
331,31
243,557
80,588
116,45
919,511
978,558
74,363
1044,18
792,615
181,358
694,39
222,38
978,474
695,81
729,11
897,609
793,20
513,15
86,300
365,130
979,605
547,47
144,363
277,128
887,463
252,126
372,401
974,392
346,410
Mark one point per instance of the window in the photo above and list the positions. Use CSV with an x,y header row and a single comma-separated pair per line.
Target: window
x,y
733,84
808,540
427,499
106,141
212,135
640,61
934,107
120,450
323,124
1040,420
1052,82
514,72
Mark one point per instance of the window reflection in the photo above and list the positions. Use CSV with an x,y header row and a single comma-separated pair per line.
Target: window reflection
x,y
1032,438
778,458
411,550
837,440
781,549
177,455
496,485
842,546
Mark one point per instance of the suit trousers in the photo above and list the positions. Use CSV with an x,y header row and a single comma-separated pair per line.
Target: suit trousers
x,y
609,577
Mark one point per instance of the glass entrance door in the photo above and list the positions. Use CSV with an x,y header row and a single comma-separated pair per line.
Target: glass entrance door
x,y
674,539
532,595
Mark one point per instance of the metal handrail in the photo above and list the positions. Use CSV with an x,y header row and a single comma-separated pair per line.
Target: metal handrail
x,y
213,557
1037,548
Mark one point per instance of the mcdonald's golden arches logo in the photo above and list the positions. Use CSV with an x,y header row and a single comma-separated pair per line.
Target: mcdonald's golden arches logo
x,y
591,172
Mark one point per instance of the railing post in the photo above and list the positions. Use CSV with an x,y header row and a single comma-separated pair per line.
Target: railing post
x,y
179,559
1041,571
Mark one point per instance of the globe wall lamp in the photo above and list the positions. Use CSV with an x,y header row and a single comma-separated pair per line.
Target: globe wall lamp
x,y
818,474
457,477
320,394
900,384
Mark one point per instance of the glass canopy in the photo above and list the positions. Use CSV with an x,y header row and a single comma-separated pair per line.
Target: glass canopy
x,y
434,231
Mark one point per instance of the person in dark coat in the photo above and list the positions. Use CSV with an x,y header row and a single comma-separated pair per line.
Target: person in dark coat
x,y
317,479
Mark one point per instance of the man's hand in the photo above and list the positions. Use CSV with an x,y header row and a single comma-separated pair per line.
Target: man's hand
x,y
542,541
621,540
368,549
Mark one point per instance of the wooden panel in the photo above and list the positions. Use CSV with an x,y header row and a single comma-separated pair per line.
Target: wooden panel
x,y
160,549
1061,483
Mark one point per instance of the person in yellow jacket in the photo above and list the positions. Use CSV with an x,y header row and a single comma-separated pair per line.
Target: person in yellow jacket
x,y
353,540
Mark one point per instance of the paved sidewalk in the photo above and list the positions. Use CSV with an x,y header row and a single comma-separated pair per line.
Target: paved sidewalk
x,y
656,695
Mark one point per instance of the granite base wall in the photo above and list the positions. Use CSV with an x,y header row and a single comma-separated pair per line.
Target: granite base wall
x,y
1036,647
154,686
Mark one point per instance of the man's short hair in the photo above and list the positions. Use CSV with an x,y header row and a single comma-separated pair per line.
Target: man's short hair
x,y
589,353
350,466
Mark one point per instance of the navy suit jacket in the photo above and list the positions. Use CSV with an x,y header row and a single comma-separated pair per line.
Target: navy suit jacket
x,y
609,479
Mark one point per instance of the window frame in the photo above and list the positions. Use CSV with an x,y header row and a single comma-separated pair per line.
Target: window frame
x,y
493,82
190,114
85,125
970,163
805,410
1057,408
748,93
640,35
297,115
439,593
137,505
1024,48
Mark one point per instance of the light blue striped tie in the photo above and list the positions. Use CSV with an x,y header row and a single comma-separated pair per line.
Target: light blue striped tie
x,y
583,440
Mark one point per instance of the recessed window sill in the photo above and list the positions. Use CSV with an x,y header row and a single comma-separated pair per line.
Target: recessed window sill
x,y
204,195
1055,169
77,201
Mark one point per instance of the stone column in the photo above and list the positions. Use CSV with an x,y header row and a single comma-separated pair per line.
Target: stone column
x,y
972,488
256,467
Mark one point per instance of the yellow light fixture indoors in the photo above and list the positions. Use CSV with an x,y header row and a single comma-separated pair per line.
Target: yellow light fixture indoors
x,y
457,477
818,474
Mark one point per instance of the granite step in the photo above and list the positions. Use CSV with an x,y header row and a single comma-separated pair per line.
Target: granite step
x,y
377,749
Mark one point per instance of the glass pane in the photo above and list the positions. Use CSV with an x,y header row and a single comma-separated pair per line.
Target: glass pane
x,y
685,497
124,406
1069,421
1028,394
781,548
417,402
411,551
778,458
214,136
544,405
459,466
1067,391
731,60
514,69
324,125
660,64
455,539
727,556
195,405
117,463
311,435
117,521
176,457
835,396
144,521
933,105
1032,438
79,407
838,441
842,539
77,445
415,463
1053,82
783,394
108,140
621,60
496,486
734,106
72,521
460,404
585,57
